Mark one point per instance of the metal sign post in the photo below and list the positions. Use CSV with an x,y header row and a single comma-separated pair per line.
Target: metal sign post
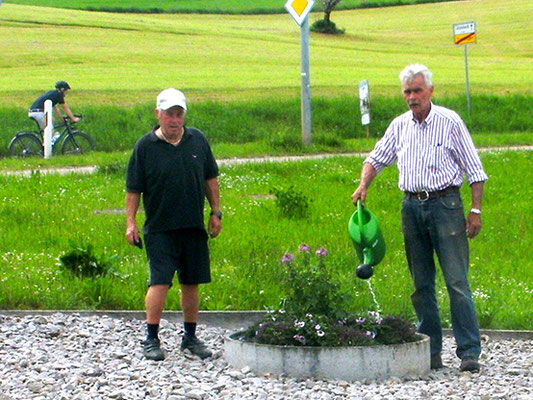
x,y
299,10
464,33
48,128
364,105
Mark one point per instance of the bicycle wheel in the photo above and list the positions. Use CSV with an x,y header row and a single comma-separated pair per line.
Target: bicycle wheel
x,y
77,143
26,144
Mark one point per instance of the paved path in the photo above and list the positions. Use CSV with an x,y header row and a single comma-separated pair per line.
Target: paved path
x,y
234,161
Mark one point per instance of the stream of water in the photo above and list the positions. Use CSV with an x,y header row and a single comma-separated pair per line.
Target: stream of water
x,y
378,307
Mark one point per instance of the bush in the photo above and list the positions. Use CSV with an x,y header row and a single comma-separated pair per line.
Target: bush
x,y
328,27
82,262
291,202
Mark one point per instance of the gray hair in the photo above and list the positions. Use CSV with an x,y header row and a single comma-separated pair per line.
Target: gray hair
x,y
409,73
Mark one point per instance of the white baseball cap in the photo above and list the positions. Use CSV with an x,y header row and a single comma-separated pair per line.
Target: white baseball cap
x,y
169,98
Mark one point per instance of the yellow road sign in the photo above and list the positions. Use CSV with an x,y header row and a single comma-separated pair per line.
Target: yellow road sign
x,y
299,9
464,33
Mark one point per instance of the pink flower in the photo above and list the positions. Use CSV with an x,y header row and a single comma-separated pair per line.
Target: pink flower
x,y
303,248
287,258
321,252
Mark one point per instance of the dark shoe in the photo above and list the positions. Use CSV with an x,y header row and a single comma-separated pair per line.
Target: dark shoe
x,y
469,364
436,362
195,346
152,350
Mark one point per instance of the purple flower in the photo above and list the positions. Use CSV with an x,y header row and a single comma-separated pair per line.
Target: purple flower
x,y
321,252
320,333
299,324
303,248
360,320
287,258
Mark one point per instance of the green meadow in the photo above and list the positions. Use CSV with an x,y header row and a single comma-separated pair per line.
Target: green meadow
x,y
125,59
44,213
241,75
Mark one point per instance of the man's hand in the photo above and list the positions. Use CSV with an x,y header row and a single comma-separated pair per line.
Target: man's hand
x,y
360,193
132,234
368,173
214,227
473,225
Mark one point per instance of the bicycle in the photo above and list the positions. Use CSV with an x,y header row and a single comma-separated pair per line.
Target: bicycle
x,y
30,143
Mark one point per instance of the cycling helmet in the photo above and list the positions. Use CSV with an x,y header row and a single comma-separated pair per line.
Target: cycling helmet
x,y
62,85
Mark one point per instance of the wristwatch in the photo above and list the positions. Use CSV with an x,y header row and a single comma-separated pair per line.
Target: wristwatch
x,y
475,211
216,214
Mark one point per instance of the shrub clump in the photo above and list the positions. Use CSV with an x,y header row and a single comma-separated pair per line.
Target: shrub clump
x,y
82,262
328,27
291,202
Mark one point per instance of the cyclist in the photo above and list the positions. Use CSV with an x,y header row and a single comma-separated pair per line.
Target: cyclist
x,y
57,96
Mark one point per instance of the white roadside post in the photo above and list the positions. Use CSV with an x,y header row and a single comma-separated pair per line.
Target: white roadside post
x,y
299,10
48,128
364,105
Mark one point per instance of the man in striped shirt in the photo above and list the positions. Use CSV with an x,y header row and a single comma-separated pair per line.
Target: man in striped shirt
x,y
433,150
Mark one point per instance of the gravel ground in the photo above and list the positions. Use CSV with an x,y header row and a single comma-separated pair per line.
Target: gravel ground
x,y
71,357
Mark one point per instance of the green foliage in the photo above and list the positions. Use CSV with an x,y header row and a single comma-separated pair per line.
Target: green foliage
x,y
82,262
291,202
310,287
277,125
328,27
313,312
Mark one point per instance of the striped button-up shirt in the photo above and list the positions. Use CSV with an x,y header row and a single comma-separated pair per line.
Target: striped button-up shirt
x,y
432,155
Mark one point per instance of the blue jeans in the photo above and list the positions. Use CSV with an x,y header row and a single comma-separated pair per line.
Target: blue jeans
x,y
438,226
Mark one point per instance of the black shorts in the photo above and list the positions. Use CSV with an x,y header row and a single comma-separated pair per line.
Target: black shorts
x,y
183,251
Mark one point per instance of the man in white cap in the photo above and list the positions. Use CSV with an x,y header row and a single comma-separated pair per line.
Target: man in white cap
x,y
174,169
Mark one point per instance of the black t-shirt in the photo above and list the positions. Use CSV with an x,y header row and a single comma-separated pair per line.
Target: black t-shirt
x,y
171,179
55,95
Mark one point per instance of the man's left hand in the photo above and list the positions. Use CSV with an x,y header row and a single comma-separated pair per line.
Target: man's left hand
x,y
215,225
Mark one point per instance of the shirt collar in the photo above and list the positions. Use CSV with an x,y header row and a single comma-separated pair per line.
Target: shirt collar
x,y
154,138
428,119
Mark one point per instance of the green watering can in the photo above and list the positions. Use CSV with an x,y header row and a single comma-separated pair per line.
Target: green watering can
x,y
367,239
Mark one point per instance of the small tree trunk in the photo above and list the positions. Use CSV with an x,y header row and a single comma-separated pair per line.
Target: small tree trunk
x,y
326,16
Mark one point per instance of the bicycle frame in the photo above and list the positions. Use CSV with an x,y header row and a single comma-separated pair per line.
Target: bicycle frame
x,y
66,126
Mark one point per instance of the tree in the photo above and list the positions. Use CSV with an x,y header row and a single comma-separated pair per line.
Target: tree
x,y
329,6
326,25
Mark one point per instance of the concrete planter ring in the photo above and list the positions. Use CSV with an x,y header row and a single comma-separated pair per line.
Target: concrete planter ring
x,y
351,363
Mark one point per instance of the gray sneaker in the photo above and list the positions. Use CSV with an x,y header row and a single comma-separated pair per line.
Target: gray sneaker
x,y
195,346
152,350
469,364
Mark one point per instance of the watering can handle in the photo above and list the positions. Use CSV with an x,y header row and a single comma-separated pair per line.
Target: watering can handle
x,y
360,215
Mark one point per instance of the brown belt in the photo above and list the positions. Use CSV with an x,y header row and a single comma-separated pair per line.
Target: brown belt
x,y
425,195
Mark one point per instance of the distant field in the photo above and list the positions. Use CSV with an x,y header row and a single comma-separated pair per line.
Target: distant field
x,y
205,6
124,59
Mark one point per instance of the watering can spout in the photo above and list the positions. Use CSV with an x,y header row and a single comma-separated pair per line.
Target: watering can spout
x,y
367,239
